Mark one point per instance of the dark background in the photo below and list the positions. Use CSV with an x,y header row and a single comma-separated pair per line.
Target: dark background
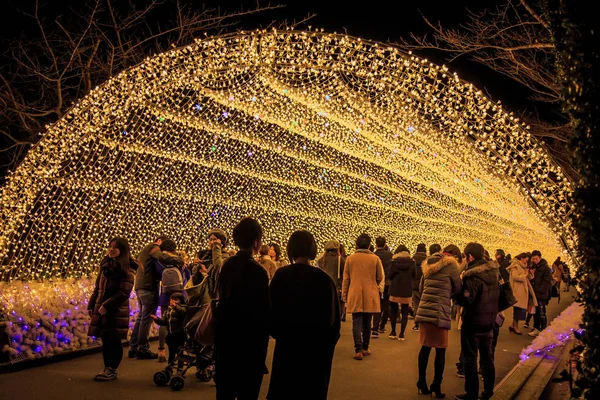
x,y
385,21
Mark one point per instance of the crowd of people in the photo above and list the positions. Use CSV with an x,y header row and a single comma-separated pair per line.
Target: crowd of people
x,y
299,305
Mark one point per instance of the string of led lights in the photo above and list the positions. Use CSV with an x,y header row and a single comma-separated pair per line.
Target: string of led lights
x,y
303,130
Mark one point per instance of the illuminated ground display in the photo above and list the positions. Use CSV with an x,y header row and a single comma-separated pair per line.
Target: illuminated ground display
x,y
303,130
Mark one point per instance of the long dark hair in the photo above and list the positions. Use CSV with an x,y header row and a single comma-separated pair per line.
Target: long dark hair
x,y
277,250
124,257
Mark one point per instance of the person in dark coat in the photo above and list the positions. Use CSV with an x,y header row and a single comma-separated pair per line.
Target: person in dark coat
x,y
441,281
419,257
242,318
503,263
332,263
172,319
109,305
542,286
305,309
479,299
380,320
401,274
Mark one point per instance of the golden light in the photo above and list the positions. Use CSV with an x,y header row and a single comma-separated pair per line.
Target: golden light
x,y
310,130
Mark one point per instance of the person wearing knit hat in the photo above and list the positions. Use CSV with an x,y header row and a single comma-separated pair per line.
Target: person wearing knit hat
x,y
218,234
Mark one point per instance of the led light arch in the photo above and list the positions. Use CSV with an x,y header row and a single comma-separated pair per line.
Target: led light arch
x,y
309,130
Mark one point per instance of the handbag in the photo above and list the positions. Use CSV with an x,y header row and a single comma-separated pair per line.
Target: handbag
x,y
555,292
507,298
205,334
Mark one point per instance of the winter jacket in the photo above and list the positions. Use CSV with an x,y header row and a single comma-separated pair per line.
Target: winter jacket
x,y
542,280
146,277
504,263
173,318
360,287
386,261
402,272
479,296
522,289
213,260
439,283
558,272
111,291
333,265
419,257
269,265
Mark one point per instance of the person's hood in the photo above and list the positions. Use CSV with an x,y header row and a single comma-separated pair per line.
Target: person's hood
x,y
436,262
515,264
401,254
487,271
403,261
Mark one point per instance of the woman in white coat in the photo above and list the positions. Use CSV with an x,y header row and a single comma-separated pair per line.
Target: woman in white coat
x,y
519,282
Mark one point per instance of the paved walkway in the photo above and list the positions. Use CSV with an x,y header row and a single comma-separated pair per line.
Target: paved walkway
x,y
390,373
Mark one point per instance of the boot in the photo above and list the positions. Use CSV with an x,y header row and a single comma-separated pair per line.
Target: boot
x,y
436,389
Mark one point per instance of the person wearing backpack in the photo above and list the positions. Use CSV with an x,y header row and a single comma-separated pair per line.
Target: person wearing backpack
x,y
171,281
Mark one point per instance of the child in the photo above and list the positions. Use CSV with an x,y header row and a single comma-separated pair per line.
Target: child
x,y
173,319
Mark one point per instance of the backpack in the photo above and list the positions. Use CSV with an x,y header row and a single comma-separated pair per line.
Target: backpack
x,y
171,280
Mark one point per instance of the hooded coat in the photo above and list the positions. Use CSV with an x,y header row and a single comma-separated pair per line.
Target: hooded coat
x,y
542,281
440,282
111,291
402,272
363,274
521,287
479,296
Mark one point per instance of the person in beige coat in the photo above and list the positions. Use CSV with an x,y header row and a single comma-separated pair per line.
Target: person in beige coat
x,y
522,290
363,274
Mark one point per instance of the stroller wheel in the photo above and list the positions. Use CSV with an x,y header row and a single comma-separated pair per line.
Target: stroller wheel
x,y
204,375
161,378
177,383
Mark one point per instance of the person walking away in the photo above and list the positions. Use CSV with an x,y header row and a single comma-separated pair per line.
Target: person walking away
x,y
542,286
567,277
360,290
171,281
401,274
558,274
380,320
108,306
147,292
332,263
275,254
479,299
243,292
173,319
305,309
439,283
265,260
522,290
419,256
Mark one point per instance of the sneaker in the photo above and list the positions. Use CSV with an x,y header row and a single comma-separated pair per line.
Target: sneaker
x,y
415,328
108,374
162,355
358,356
526,326
534,332
460,374
375,334
146,355
393,336
366,353
132,354
382,330
401,337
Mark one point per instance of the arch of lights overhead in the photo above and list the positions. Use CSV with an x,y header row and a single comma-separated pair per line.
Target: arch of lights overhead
x,y
309,130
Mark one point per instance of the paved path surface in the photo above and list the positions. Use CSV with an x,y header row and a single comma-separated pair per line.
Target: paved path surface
x,y
390,373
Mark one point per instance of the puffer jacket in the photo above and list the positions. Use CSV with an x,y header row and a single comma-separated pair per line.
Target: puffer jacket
x,y
402,272
173,318
439,283
419,257
542,280
479,296
111,291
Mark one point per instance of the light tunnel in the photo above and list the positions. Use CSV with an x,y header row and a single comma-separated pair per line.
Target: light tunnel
x,y
302,130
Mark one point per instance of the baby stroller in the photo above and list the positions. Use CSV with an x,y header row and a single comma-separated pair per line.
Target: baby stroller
x,y
193,353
